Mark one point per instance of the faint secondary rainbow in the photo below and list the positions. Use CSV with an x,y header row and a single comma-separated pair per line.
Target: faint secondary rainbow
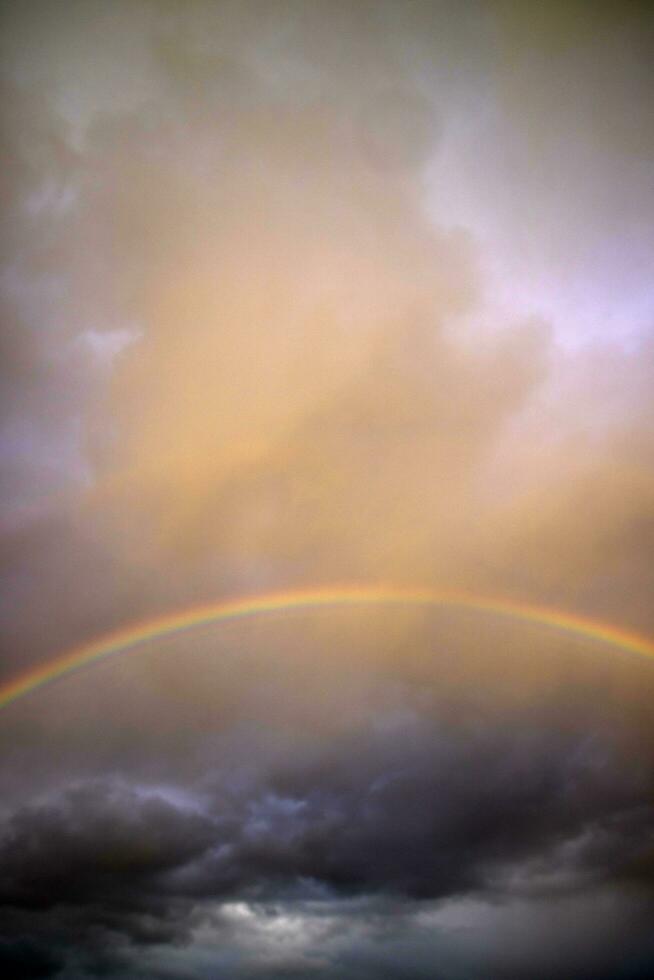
x,y
129,637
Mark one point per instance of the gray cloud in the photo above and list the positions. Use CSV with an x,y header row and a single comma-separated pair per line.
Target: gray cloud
x,y
253,338
410,813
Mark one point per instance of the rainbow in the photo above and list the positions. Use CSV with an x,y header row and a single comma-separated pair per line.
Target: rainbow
x,y
130,637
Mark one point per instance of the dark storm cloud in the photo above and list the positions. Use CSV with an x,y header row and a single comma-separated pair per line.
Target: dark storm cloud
x,y
410,815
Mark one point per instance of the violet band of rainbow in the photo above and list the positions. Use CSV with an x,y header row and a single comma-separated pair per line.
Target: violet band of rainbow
x,y
132,636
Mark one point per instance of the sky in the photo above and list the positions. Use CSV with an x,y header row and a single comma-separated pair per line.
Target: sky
x,y
313,294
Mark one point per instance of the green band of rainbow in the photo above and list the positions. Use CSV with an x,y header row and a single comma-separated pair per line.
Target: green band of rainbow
x,y
127,638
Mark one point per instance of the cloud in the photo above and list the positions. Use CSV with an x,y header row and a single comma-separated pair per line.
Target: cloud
x,y
410,816
309,293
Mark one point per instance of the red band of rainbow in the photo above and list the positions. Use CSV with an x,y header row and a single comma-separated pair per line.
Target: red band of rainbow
x,y
135,635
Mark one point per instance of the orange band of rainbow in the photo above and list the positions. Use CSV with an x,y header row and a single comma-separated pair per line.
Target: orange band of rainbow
x,y
127,638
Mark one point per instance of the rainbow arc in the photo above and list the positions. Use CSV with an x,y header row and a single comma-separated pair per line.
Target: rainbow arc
x,y
132,637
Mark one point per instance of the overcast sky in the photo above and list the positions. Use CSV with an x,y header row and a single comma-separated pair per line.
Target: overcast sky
x,y
308,292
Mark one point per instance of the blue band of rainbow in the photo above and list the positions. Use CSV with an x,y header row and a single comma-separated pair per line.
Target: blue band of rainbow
x,y
135,635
